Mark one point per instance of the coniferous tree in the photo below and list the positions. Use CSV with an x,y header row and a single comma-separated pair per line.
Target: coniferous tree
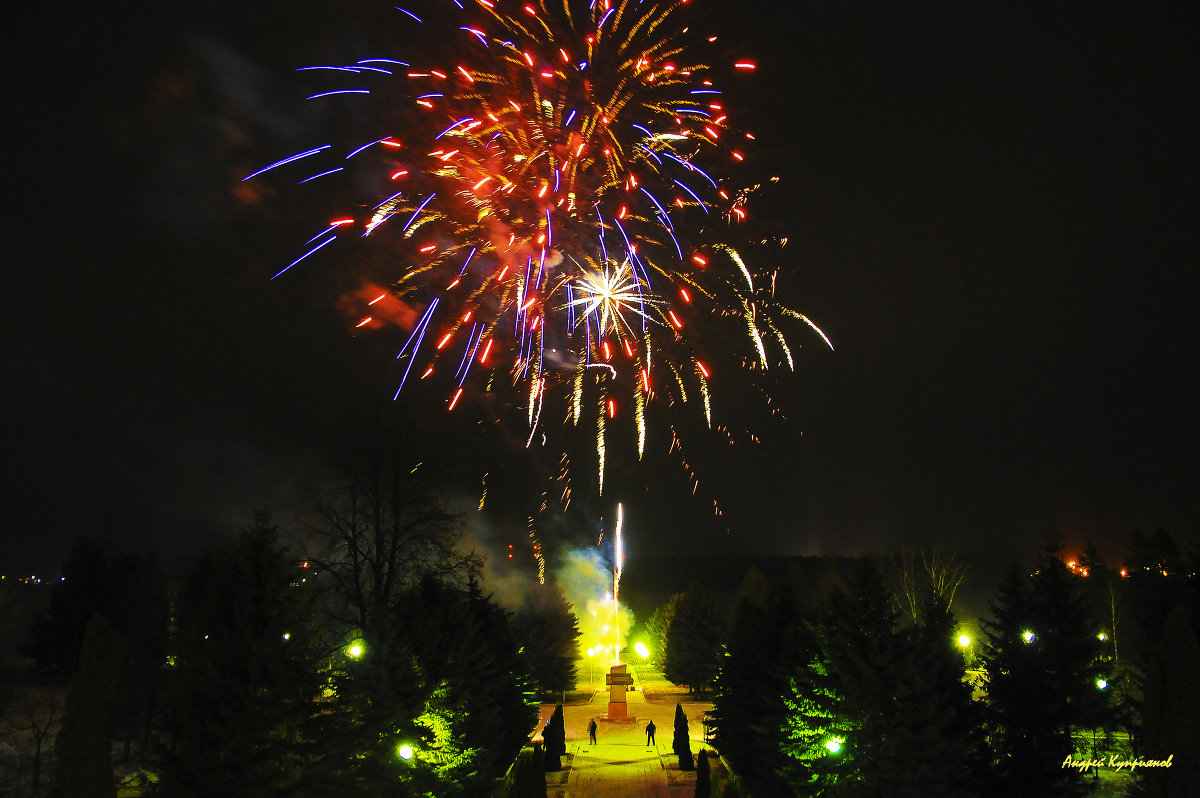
x,y
463,702
764,645
880,710
815,731
494,701
371,708
1020,730
859,638
1043,662
935,729
84,745
681,742
1070,647
693,646
86,585
658,626
555,740
129,591
140,613
548,635
703,775
1154,586
1170,711
245,671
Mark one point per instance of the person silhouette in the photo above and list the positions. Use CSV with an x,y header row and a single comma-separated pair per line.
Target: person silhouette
x,y
592,732
650,733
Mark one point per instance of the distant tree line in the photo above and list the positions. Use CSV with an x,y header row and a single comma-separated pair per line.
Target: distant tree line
x,y
855,683
374,663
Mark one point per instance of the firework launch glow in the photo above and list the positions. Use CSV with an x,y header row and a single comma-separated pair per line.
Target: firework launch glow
x,y
555,198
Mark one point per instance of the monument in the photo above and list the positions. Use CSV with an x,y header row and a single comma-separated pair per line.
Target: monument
x,y
618,681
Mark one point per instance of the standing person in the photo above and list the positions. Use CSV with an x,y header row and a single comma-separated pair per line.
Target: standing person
x,y
592,731
650,733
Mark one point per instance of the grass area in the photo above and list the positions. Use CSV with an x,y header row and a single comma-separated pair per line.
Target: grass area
x,y
657,687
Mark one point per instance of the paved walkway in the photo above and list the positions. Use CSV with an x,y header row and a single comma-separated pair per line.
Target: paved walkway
x,y
621,765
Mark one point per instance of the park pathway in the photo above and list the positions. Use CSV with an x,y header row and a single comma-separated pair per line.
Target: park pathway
x,y
621,765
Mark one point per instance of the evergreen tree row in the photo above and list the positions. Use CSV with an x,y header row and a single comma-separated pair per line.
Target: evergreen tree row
x,y
852,689
375,666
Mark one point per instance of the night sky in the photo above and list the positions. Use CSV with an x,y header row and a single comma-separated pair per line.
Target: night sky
x,y
990,209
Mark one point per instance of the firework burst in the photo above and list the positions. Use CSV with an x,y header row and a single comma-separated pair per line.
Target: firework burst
x,y
550,181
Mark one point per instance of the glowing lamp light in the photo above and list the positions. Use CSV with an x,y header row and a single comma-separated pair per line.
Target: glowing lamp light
x,y
1027,636
964,640
405,751
834,745
641,649
1102,637
354,650
1101,683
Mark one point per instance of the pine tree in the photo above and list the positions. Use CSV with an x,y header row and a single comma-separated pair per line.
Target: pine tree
x,y
659,625
548,635
1156,584
555,740
140,613
1171,711
859,638
245,671
681,743
1020,731
1043,660
703,775
84,745
1072,651
764,646
815,731
880,711
474,722
933,730
693,646
85,589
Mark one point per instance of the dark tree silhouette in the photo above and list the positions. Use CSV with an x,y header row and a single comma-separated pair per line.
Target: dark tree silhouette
x,y
693,647
1043,660
1170,710
378,534
703,775
765,643
548,634
681,742
84,745
658,625
554,738
246,671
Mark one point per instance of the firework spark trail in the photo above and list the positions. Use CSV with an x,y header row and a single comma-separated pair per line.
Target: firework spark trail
x,y
556,169
618,567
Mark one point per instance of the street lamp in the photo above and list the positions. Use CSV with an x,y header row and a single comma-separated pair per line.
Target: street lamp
x,y
405,751
964,641
834,745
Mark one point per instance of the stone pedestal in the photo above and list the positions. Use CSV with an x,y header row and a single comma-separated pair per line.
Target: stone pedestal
x,y
618,681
